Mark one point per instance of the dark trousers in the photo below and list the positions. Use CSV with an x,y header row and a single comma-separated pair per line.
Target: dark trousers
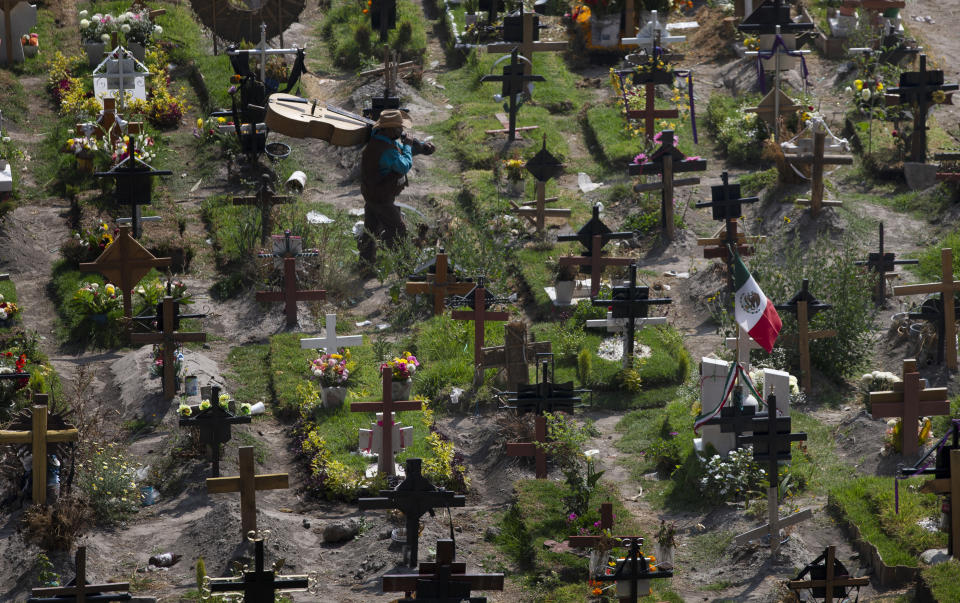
x,y
385,223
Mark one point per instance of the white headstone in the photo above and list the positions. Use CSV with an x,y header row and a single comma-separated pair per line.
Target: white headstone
x,y
713,376
118,75
23,17
778,383
646,37
371,439
6,177
330,341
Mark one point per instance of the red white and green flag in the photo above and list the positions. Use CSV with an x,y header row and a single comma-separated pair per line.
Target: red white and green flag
x,y
753,311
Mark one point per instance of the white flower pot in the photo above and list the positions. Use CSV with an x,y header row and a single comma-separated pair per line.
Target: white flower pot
x,y
333,397
564,292
94,52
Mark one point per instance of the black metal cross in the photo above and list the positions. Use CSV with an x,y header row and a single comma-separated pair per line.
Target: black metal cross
x,y
513,80
78,590
544,395
766,17
414,497
725,200
593,236
771,439
443,580
134,184
259,585
214,425
264,200
882,263
633,570
917,88
383,17
630,303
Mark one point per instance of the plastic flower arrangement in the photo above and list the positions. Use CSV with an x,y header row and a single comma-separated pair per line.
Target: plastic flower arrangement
x,y
892,442
204,405
82,145
92,298
97,27
245,409
142,148
514,168
331,369
136,27
8,309
403,367
156,369
184,410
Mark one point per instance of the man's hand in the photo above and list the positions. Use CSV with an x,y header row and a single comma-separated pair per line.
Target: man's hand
x,y
417,146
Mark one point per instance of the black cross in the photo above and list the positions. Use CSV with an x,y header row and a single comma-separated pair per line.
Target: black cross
x,y
766,17
544,166
78,589
634,569
513,80
771,439
214,425
917,88
813,304
631,302
735,418
133,184
383,17
545,395
414,497
492,7
882,263
594,227
442,581
726,200
259,585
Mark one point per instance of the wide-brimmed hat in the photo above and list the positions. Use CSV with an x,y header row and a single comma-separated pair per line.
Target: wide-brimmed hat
x,y
393,118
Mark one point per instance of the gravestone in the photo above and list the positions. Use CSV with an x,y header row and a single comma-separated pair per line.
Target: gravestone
x,y
443,580
545,395
168,338
514,82
736,416
514,355
443,284
133,184
909,400
947,288
120,75
78,590
477,301
17,18
247,484
593,236
630,303
331,342
259,585
38,437
533,449
884,264
805,306
828,579
387,405
918,89
213,425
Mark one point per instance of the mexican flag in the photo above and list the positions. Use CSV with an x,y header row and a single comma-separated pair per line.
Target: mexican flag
x,y
753,311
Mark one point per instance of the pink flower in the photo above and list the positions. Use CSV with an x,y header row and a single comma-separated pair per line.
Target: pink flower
x,y
640,158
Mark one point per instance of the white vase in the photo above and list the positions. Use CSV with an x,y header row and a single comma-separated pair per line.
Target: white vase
x,y
564,291
605,30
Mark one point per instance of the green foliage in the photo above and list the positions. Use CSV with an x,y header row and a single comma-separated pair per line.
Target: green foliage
x,y
290,367
584,367
45,574
754,182
516,540
201,572
605,128
346,28
106,480
942,581
669,363
930,257
739,134
446,467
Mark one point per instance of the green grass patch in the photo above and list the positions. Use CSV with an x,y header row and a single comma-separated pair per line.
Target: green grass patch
x,y
353,44
942,581
739,135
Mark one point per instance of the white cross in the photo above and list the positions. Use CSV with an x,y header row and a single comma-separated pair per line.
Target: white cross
x,y
646,37
330,341
263,50
743,351
371,440
114,77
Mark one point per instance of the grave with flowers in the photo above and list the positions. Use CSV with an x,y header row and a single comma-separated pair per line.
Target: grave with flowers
x,y
212,419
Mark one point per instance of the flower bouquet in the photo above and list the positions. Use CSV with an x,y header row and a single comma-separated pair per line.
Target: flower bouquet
x,y
8,311
402,369
333,371
156,367
100,304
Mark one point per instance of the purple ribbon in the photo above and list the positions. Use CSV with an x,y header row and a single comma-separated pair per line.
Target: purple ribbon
x,y
693,113
763,55
924,465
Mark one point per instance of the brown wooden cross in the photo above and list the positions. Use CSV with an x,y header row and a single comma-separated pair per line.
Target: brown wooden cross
x,y
883,263
804,306
515,354
650,113
773,107
264,200
951,487
606,523
387,406
477,301
124,263
593,236
535,448
946,288
830,583
817,160
527,41
916,89
909,400
247,484
544,166
666,161
38,437
78,590
168,338
108,123
443,579
443,285
290,295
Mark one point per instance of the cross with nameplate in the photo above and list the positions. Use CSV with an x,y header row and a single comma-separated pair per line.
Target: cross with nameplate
x,y
443,284
213,425
649,75
947,287
816,161
133,183
38,437
387,406
593,236
247,484
544,166
331,342
630,303
414,497
125,262
667,161
917,88
168,338
825,582
77,590
443,580
258,585
477,301
883,263
514,81
523,31
909,400
635,571
726,204
533,449
264,200
544,395
515,354
805,306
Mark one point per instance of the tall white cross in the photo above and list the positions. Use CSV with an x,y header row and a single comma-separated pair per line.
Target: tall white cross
x,y
262,50
114,77
746,343
330,341
371,440
647,36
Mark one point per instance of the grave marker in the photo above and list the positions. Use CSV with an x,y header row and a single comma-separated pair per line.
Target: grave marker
x,y
919,89
78,590
523,32
331,342
514,82
774,106
515,354
544,166
632,573
805,306
110,123
414,496
391,72
726,204
444,284
213,425
533,449
776,30
259,585
742,344
630,303
288,248
477,301
118,75
387,405
383,17
371,440
883,263
653,35
264,200
443,580
247,484
17,18
593,236
649,75
606,523
817,160
828,578
909,400
735,417
134,183
947,288
544,395
38,437
168,337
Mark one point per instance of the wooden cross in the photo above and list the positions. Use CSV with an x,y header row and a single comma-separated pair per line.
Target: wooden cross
x,y
442,580
168,337
917,89
883,264
125,262
331,342
817,160
109,123
391,71
78,590
387,406
214,425
773,107
726,204
535,448
544,166
805,306
771,441
264,200
606,523
523,31
950,486
414,497
259,585
909,400
593,236
443,285
946,288
134,184
544,395
514,80
477,301
514,355
290,295
634,572
630,303
38,437
779,49
247,484
650,113
667,161
824,580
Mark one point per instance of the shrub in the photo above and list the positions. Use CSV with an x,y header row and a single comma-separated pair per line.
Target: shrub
x,y
346,28
732,478
55,527
446,468
740,134
517,540
107,481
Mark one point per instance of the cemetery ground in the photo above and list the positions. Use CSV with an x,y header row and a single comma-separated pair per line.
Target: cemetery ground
x,y
640,422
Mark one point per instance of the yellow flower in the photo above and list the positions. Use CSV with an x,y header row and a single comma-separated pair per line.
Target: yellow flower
x,y
221,120
110,289
879,86
939,96
858,84
199,123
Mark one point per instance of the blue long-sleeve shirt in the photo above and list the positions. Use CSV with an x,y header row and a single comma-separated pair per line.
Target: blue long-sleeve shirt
x,y
398,158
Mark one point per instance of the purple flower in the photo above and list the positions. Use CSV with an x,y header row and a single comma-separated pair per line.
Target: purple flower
x,y
572,517
640,158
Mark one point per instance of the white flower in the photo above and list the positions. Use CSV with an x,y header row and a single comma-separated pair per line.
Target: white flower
x,y
125,28
158,30
865,94
3,314
84,23
105,38
848,90
6,139
591,453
